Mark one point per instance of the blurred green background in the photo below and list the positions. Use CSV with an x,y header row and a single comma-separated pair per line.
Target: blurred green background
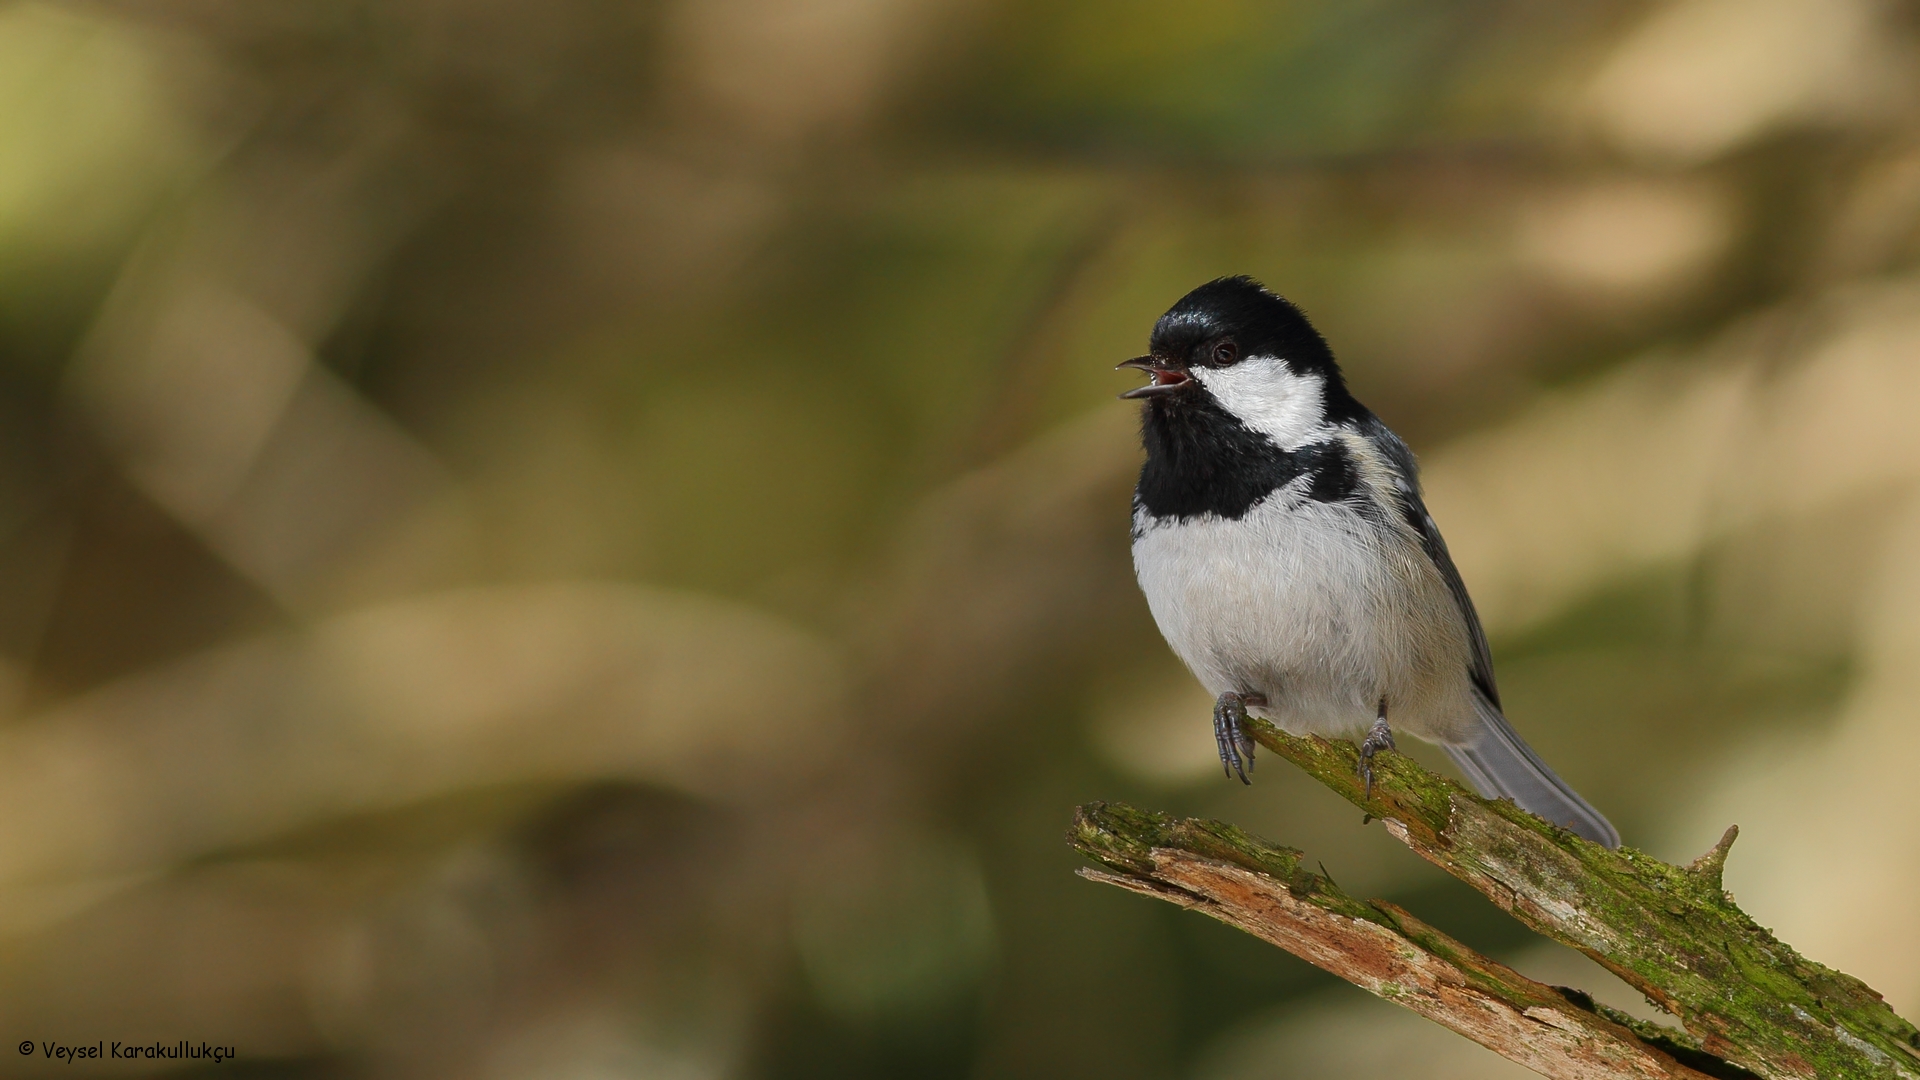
x,y
588,539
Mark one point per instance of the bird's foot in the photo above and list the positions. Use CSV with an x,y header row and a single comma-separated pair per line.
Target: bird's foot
x,y
1230,732
1379,737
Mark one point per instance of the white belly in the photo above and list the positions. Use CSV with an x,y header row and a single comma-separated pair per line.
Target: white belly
x,y
1315,607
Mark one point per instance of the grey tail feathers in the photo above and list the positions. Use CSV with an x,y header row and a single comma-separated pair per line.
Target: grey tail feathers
x,y
1499,763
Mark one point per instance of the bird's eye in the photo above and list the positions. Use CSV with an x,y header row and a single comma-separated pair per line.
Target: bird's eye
x,y
1226,352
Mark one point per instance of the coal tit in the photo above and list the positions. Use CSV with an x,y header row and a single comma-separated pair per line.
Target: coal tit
x,y
1281,541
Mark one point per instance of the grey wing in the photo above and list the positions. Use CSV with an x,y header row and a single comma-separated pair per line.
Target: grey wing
x,y
1494,757
1414,509
1480,663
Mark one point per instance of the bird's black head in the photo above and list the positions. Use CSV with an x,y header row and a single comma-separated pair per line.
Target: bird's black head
x,y
1245,398
1231,318
1232,349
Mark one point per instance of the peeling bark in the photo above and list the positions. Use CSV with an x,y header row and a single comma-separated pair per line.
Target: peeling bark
x,y
1751,1006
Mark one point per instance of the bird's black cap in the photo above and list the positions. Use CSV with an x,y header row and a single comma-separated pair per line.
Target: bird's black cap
x,y
1231,318
1242,311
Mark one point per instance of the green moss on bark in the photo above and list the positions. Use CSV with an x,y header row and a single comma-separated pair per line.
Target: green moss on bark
x,y
1670,931
1261,888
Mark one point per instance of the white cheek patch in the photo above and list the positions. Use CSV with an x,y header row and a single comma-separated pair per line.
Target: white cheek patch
x,y
1269,397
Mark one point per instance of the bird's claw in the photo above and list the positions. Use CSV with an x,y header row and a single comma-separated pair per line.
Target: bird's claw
x,y
1230,732
1379,737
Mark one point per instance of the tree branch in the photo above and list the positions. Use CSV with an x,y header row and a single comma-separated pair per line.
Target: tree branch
x,y
1751,1005
1219,870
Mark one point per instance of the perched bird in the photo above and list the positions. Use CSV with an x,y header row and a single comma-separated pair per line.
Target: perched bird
x,y
1280,538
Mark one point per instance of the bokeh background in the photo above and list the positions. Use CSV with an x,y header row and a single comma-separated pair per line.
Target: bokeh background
x,y
588,538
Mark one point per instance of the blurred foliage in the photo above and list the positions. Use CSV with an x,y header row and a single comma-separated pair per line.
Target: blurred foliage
x,y
587,539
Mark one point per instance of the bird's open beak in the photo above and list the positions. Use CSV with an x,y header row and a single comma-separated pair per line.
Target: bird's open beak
x,y
1168,377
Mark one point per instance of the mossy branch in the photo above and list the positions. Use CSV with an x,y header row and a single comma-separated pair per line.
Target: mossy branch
x,y
1262,889
1751,1005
